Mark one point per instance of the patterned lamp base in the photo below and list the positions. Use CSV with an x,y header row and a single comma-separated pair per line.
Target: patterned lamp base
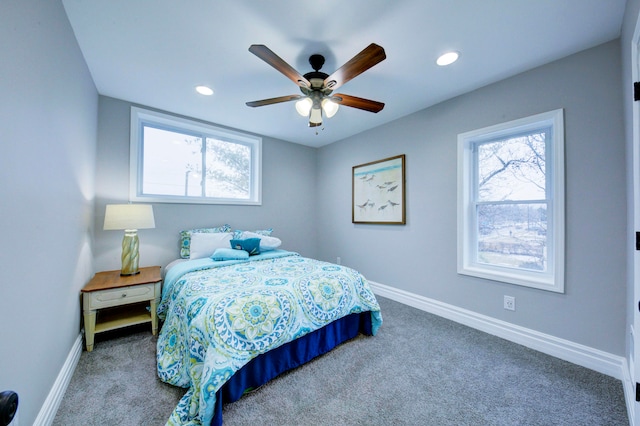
x,y
130,256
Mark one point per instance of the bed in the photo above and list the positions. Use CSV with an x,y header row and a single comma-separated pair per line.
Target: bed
x,y
232,324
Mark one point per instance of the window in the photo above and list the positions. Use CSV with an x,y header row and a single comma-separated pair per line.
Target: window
x,y
174,160
511,202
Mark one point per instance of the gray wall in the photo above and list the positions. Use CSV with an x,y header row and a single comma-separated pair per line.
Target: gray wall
x,y
288,197
48,120
421,257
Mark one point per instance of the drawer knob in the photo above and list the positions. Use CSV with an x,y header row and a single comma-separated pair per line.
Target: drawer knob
x,y
124,294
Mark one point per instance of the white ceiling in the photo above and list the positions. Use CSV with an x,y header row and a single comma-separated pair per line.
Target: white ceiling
x,y
154,52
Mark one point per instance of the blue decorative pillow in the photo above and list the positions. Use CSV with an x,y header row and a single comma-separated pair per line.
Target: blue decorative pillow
x,y
250,245
266,242
229,254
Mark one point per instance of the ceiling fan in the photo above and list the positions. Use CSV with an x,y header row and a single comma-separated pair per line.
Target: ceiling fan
x,y
317,87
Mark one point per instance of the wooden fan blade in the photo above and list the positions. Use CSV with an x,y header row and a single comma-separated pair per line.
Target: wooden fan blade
x,y
267,55
370,56
277,100
355,102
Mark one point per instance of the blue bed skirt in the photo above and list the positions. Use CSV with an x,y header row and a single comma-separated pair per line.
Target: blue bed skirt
x,y
267,366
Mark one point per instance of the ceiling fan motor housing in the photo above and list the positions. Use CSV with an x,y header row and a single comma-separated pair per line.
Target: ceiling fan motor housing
x,y
316,61
316,77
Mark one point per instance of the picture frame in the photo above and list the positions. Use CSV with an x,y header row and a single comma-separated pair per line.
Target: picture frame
x,y
378,192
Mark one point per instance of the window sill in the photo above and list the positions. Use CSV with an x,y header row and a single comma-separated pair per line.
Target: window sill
x,y
542,282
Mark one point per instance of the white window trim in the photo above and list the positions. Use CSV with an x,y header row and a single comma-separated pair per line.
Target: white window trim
x,y
140,115
552,280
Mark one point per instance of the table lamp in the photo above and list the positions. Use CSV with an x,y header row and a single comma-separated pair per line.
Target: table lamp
x,y
130,218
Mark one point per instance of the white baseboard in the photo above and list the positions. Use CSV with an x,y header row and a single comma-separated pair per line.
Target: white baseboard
x,y
629,392
50,407
594,359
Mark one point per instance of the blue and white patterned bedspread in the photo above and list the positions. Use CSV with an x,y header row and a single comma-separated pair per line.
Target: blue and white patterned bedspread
x,y
220,315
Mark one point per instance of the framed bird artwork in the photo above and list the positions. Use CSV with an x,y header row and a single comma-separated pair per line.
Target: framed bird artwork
x,y
378,190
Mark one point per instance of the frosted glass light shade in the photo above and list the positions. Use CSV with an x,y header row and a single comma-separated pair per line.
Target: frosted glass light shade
x,y
303,106
315,118
129,216
330,108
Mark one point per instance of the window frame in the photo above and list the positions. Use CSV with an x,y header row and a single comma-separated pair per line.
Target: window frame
x,y
552,279
141,117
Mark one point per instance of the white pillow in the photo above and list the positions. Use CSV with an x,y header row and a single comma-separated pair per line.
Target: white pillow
x,y
203,244
266,242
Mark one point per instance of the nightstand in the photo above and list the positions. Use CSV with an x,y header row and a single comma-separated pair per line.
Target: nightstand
x,y
111,301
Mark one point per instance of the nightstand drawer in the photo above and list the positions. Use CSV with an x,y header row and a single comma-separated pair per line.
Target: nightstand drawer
x,y
121,296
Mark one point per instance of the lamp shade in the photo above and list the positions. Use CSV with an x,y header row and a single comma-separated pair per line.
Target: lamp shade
x,y
330,108
315,118
129,216
303,106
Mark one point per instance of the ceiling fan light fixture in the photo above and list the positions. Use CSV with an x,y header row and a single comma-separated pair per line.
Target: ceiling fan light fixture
x,y
303,106
330,108
447,58
316,86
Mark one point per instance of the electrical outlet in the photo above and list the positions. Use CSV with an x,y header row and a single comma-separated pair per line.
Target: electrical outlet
x,y
338,260
510,303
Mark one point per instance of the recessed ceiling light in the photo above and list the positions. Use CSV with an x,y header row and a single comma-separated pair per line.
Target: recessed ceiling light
x,y
448,58
204,90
